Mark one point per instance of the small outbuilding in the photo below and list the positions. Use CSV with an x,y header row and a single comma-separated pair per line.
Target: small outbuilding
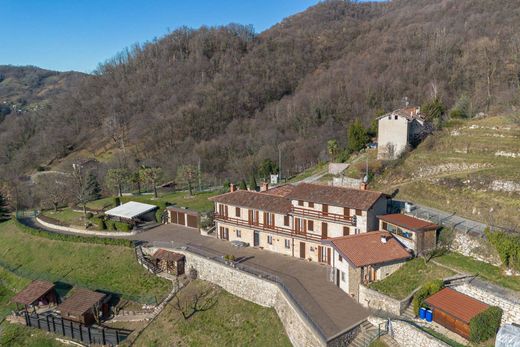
x,y
36,294
183,216
454,310
85,306
169,262
133,212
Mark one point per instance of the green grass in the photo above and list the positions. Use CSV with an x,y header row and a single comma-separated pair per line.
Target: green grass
x,y
378,343
313,170
15,335
230,322
443,338
94,266
486,271
10,284
411,275
66,215
198,202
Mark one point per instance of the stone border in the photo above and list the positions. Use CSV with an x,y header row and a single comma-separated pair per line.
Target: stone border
x,y
84,232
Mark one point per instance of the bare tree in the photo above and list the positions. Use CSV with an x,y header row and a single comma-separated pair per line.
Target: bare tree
x,y
151,175
187,174
197,301
53,189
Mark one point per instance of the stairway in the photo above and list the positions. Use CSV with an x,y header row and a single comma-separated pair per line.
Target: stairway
x,y
408,313
389,341
367,334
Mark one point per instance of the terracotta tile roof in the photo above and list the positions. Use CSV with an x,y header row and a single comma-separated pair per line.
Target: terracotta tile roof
x,y
282,190
255,200
336,196
80,302
456,304
408,222
167,255
33,292
410,113
367,248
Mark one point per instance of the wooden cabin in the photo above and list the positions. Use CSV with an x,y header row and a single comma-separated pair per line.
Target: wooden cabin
x,y
169,262
36,294
85,306
453,310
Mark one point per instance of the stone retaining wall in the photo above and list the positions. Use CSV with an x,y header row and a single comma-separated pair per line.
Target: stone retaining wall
x,y
408,335
83,231
475,246
257,290
378,301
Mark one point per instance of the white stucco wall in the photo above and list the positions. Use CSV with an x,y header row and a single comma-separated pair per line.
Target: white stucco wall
x,y
392,132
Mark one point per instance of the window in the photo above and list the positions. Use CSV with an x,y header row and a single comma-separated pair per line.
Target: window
x,y
325,209
239,233
237,211
390,117
343,277
310,225
324,230
385,226
286,221
269,239
287,244
340,258
300,202
311,204
359,212
395,117
268,220
346,212
346,231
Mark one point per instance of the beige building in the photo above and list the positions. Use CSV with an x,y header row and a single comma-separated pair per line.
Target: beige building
x,y
399,129
365,258
293,220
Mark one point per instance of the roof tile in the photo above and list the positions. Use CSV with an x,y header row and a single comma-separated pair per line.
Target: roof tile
x,y
456,304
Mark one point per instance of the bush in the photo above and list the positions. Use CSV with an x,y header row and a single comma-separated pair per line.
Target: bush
x,y
424,292
485,325
507,246
111,225
121,226
98,222
158,215
89,215
116,201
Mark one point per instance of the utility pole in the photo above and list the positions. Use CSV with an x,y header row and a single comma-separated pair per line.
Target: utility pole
x,y
199,174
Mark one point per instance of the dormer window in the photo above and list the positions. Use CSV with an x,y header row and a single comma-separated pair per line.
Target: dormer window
x,y
300,202
396,117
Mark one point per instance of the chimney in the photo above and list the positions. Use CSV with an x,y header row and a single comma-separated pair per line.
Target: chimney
x,y
232,187
264,187
383,239
363,186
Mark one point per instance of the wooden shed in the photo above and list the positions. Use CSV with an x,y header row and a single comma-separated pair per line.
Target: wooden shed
x,y
169,262
84,306
37,293
453,310
183,216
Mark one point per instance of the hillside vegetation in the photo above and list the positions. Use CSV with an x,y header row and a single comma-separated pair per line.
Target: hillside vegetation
x,y
232,98
471,168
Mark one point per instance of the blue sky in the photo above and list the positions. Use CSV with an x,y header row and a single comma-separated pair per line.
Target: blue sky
x,y
79,34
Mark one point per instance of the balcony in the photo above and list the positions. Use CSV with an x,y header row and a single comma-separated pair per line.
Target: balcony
x,y
325,216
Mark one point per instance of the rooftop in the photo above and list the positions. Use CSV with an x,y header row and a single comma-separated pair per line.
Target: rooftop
x,y
34,291
163,254
80,301
456,304
255,200
131,209
409,113
408,222
282,190
368,248
336,196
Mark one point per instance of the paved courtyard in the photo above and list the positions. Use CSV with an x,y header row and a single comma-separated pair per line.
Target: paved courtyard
x,y
329,307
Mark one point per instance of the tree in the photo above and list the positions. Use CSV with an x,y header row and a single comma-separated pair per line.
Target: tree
x,y
332,148
461,109
151,175
252,183
53,190
267,167
4,209
357,137
243,185
93,186
115,178
433,110
187,174
80,188
137,179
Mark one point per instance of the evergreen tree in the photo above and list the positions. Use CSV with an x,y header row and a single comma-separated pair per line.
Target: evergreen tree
x,y
243,185
93,186
4,209
252,183
433,110
357,137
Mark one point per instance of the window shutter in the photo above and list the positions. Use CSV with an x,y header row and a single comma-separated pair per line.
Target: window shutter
x,y
324,230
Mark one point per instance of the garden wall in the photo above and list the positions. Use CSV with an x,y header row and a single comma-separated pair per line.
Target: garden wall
x,y
378,301
475,246
408,335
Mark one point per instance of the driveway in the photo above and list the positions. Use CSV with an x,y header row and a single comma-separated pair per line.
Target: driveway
x,y
328,306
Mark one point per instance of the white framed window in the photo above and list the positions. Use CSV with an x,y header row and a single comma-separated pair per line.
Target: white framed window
x,y
287,244
269,239
343,277
239,233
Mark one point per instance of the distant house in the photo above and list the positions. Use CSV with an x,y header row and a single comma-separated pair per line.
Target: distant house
x,y
133,212
415,234
399,129
365,258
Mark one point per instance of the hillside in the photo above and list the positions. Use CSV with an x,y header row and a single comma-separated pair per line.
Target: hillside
x,y
471,168
232,98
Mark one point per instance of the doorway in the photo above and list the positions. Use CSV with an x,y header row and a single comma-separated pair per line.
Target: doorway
x,y
302,250
256,239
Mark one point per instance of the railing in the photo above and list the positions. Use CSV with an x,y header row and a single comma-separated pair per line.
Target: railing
x,y
284,231
328,216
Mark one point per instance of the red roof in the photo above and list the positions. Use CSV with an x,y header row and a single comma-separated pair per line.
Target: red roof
x,y
368,248
80,302
408,222
163,254
255,200
456,304
282,190
34,291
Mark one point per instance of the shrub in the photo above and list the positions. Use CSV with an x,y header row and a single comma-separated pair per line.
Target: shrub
x,y
485,325
424,292
507,246
111,225
229,257
116,201
99,222
121,226
158,215
89,215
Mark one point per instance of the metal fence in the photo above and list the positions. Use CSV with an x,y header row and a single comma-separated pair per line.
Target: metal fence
x,y
76,331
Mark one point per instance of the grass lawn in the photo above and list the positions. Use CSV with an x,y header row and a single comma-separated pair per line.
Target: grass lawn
x,y
313,170
66,215
378,343
15,335
10,284
112,268
230,322
198,202
484,270
411,275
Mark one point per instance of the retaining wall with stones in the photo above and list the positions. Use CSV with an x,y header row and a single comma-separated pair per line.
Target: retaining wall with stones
x,y
473,245
408,335
378,301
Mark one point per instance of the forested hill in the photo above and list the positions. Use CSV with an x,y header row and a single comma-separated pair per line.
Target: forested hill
x,y
231,98
26,88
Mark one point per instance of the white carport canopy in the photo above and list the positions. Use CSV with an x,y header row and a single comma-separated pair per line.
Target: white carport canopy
x,y
130,210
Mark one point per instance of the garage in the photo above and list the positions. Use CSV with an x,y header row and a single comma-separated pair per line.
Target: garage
x,y
184,217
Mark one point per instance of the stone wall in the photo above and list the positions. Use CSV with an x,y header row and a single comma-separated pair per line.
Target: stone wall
x,y
260,291
408,335
507,300
378,301
474,246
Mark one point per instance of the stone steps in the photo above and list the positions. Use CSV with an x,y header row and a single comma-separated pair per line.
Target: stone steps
x,y
366,335
409,313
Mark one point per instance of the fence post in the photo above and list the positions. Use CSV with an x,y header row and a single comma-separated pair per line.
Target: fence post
x,y
53,324
62,326
103,337
71,330
38,321
80,333
48,324
90,335
117,336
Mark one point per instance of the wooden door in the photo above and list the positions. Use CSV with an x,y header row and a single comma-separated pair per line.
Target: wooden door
x,y
256,239
192,221
324,230
320,252
181,218
302,250
173,216
328,256
325,209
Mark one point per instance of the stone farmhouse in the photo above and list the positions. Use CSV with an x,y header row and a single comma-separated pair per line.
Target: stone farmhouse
x,y
398,130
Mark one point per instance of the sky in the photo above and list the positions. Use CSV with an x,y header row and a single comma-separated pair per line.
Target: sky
x,y
66,35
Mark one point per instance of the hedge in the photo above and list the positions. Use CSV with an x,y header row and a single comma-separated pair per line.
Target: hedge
x,y
123,226
424,292
99,222
507,246
72,238
485,325
54,221
111,225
